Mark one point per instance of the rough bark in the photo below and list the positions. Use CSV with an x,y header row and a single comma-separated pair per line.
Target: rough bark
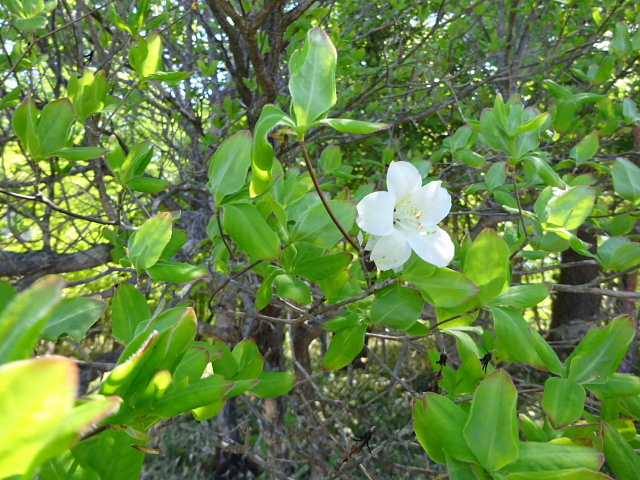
x,y
43,262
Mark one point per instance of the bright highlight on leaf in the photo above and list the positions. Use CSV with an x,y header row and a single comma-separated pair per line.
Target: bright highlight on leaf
x,y
405,218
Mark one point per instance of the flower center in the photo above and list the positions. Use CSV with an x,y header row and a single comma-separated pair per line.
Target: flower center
x,y
406,216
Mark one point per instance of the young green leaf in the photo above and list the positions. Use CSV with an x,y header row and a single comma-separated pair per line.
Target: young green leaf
x,y
398,309
146,246
312,83
130,309
345,345
626,180
73,317
563,401
250,231
492,428
229,165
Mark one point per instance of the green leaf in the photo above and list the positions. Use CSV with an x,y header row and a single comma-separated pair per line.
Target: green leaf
x,y
80,153
169,76
547,353
541,457
73,317
354,126
445,288
110,455
229,165
470,157
438,423
398,309
53,127
251,232
24,124
146,246
88,93
618,253
177,272
600,352
532,431
565,115
544,170
513,332
197,394
496,176
145,55
25,316
569,474
344,347
318,228
36,396
586,149
620,385
604,70
621,457
568,209
262,151
492,428
487,265
312,265
147,184
563,401
330,158
129,310
7,293
312,83
293,288
523,296
621,43
626,180
532,125
274,384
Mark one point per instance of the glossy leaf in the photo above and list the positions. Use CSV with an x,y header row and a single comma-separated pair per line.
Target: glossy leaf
x,y
250,231
80,153
317,227
598,355
486,264
398,309
546,353
177,272
73,317
194,395
541,457
229,165
274,384
145,55
330,158
569,208
312,83
354,126
626,179
563,401
620,385
492,428
523,296
344,347
110,455
25,316
446,288
293,288
438,423
586,149
130,309
53,127
147,245
147,184
262,151
621,457
570,474
513,332
36,396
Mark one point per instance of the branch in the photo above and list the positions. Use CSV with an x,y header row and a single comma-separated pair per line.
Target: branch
x,y
14,264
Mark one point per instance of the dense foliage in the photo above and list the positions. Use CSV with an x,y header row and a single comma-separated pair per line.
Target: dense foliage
x,y
190,225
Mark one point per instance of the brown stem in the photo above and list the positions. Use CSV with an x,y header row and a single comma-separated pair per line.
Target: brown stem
x,y
314,179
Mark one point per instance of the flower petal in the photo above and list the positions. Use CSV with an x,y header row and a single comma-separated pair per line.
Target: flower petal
x,y
434,247
375,213
391,251
403,180
434,200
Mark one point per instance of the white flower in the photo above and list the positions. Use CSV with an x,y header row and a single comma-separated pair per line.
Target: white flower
x,y
406,218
